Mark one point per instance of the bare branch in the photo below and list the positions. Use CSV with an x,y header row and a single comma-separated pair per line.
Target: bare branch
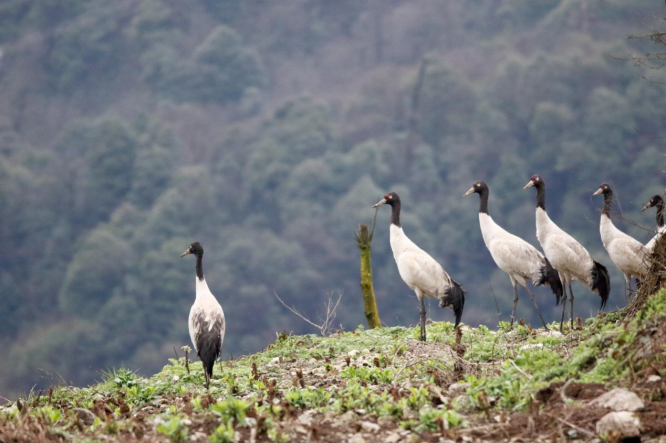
x,y
327,321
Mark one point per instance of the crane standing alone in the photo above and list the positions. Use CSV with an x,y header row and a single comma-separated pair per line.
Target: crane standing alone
x,y
419,270
513,255
206,322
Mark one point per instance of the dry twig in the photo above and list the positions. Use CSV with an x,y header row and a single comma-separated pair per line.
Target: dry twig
x,y
327,321
528,376
573,426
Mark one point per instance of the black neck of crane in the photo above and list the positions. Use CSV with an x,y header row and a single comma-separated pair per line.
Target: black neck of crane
x,y
200,274
395,212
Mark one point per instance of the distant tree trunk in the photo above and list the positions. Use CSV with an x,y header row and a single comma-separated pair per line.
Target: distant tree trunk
x,y
364,238
413,116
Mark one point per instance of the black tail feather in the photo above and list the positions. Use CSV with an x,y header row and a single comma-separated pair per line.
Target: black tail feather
x,y
454,298
550,277
601,282
209,345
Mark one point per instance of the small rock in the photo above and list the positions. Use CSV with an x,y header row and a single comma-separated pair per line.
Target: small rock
x,y
176,378
361,411
353,353
368,426
624,423
654,379
385,420
619,399
394,437
301,429
275,361
348,416
457,389
358,438
306,418
198,436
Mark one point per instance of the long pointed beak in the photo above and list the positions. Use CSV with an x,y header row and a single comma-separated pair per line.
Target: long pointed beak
x,y
471,190
529,184
185,253
646,207
379,203
597,192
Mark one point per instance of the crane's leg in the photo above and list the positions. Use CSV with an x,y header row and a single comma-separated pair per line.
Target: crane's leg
x,y
515,300
564,300
536,306
572,303
423,319
627,287
206,375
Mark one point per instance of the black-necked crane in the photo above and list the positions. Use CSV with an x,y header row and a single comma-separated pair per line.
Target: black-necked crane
x,y
657,202
419,270
513,255
206,322
568,257
627,254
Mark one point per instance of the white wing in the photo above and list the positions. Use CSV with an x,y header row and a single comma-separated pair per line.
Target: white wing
x,y
194,325
566,254
419,270
628,254
514,255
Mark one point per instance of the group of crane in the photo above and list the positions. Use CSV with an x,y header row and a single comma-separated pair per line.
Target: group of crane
x,y
564,259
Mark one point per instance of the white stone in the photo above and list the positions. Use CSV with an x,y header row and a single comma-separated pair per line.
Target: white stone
x,y
306,418
176,378
625,423
348,416
353,353
368,426
393,438
358,438
619,399
653,379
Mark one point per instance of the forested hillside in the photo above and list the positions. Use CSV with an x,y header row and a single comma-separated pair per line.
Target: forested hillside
x,y
267,130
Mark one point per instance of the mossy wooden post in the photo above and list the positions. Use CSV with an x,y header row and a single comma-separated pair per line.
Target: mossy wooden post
x,y
364,238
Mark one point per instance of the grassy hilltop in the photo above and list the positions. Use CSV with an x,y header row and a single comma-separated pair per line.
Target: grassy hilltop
x,y
375,385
